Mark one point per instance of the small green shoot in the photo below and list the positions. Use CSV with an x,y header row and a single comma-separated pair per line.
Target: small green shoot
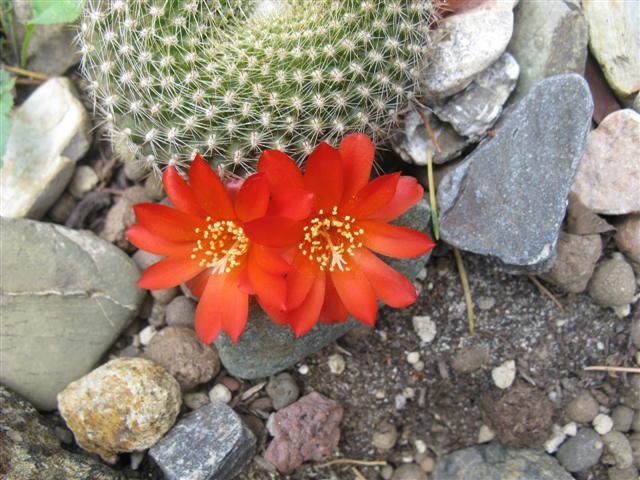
x,y
6,103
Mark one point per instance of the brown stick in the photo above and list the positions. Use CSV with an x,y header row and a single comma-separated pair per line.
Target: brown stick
x,y
25,73
351,461
427,125
603,368
544,290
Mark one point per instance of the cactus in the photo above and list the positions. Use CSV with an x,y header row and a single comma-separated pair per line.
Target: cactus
x,y
230,78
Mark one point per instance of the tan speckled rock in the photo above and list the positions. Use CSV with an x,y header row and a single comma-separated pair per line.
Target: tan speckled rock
x,y
125,405
628,239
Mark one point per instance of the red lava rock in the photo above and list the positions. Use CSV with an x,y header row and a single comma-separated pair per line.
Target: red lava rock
x,y
305,430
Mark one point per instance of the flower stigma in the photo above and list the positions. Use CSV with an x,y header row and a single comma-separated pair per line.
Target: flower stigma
x,y
330,239
223,242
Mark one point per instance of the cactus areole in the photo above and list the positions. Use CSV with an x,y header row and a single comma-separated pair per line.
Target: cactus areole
x,y
231,78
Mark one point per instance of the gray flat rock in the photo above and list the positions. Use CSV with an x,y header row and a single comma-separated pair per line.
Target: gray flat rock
x,y
509,197
549,38
66,296
265,348
495,462
210,443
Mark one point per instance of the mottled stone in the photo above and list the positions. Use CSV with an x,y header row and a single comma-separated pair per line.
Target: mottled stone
x,y
470,358
613,283
468,43
181,311
183,355
126,404
265,348
121,216
582,221
628,239
575,262
583,408
474,110
283,390
29,448
614,38
412,141
509,197
210,443
608,180
308,429
549,38
496,462
581,452
617,450
49,133
66,296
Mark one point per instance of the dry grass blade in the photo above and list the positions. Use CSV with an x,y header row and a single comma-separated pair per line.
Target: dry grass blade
x,y
351,461
604,368
427,125
465,289
357,473
25,73
544,290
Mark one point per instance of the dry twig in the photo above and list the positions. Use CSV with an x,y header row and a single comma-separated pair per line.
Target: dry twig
x,y
351,461
604,368
357,473
544,290
25,73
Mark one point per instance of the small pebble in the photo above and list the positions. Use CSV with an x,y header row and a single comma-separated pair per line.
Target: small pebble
x,y
84,179
602,424
303,369
504,375
283,390
220,393
146,334
409,392
336,364
485,434
413,357
385,436
470,358
418,366
424,327
486,303
195,400
387,472
400,401
165,296
622,417
180,311
64,435
583,408
428,464
421,447
570,429
617,450
410,471
616,473
136,459
580,452
554,442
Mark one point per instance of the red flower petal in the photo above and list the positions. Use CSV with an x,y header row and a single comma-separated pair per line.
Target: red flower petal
x,y
222,306
303,318
375,195
169,272
300,279
389,285
323,176
333,310
408,193
356,294
181,194
145,240
279,317
282,172
295,203
275,232
196,285
271,289
394,241
269,260
209,190
356,152
253,198
167,222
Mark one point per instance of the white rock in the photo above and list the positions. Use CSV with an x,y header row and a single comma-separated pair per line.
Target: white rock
x,y
553,443
220,393
485,434
83,180
504,375
146,334
49,133
424,327
303,369
602,424
413,357
336,364
570,429
614,37
136,459
470,41
421,447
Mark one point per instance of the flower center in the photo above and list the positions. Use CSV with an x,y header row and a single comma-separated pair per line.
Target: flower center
x,y
221,244
330,239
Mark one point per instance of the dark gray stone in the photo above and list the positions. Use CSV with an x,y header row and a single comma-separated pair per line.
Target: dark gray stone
x,y
509,197
496,462
209,443
474,110
582,451
549,38
29,448
265,348
66,296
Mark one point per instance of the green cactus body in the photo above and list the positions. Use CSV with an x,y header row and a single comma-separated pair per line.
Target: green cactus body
x,y
230,78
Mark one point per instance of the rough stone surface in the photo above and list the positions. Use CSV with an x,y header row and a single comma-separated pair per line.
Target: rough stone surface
x,y
549,38
308,429
608,180
508,198
583,408
181,311
410,471
628,239
474,110
183,355
66,296
49,133
576,260
126,404
614,38
84,179
265,348
412,141
210,443
613,283
29,448
497,462
469,43
616,473
283,390
581,452
617,450
470,358
582,221
622,417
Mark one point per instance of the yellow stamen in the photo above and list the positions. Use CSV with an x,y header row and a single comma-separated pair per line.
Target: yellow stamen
x,y
221,246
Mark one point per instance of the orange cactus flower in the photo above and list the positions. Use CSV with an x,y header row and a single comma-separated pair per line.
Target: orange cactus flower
x,y
334,270
206,246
